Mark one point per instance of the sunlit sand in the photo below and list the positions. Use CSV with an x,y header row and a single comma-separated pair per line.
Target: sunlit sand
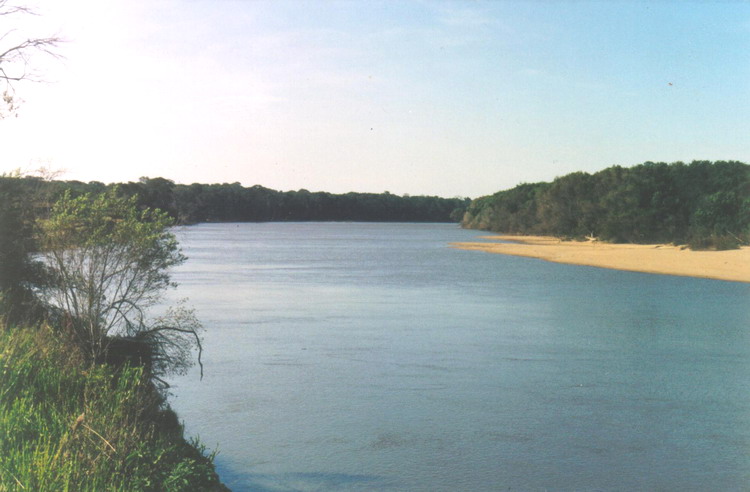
x,y
733,265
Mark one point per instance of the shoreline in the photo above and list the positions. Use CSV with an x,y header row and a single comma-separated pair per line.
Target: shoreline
x,y
664,259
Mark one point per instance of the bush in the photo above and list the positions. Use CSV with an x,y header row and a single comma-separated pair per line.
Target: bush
x,y
715,242
108,263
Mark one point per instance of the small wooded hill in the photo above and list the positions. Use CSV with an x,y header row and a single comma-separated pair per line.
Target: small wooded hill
x,y
704,204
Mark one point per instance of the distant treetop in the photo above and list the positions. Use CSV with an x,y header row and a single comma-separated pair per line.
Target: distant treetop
x,y
704,204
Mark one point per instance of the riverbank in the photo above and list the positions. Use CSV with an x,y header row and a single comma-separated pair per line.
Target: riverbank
x,y
732,265
68,425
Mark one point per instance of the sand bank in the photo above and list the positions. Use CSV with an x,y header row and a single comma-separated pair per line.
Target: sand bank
x,y
733,265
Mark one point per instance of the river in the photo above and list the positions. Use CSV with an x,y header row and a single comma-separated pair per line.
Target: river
x,y
365,356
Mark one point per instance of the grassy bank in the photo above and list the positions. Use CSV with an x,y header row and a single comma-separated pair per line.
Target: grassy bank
x,y
67,426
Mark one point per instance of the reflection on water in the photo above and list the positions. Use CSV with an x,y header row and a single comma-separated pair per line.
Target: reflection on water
x,y
355,356
289,482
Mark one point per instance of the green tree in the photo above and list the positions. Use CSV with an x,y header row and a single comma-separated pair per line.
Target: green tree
x,y
108,265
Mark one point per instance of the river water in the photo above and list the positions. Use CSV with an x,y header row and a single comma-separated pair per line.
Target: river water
x,y
362,356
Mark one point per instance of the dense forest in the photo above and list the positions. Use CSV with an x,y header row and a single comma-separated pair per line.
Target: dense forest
x,y
235,203
703,204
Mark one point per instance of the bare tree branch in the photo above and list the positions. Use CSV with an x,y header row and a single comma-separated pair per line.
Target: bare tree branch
x,y
15,59
6,9
190,331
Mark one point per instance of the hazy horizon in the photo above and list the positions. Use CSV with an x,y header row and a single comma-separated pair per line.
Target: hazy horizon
x,y
419,98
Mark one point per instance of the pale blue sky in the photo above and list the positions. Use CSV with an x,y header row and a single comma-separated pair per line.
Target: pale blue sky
x,y
447,98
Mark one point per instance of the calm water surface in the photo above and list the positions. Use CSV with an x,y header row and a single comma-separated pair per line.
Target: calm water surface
x,y
350,356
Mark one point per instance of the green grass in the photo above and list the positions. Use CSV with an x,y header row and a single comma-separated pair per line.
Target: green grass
x,y
69,426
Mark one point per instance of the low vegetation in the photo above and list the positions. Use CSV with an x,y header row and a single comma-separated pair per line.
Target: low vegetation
x,y
703,204
69,425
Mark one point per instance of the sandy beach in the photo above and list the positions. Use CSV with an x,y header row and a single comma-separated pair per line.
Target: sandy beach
x,y
732,265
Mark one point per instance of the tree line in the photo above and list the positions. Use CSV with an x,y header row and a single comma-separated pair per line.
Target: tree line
x,y
197,202
703,204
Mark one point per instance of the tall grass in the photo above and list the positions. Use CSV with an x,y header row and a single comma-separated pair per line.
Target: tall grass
x,y
69,426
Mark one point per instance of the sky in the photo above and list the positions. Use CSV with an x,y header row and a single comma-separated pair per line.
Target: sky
x,y
459,98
